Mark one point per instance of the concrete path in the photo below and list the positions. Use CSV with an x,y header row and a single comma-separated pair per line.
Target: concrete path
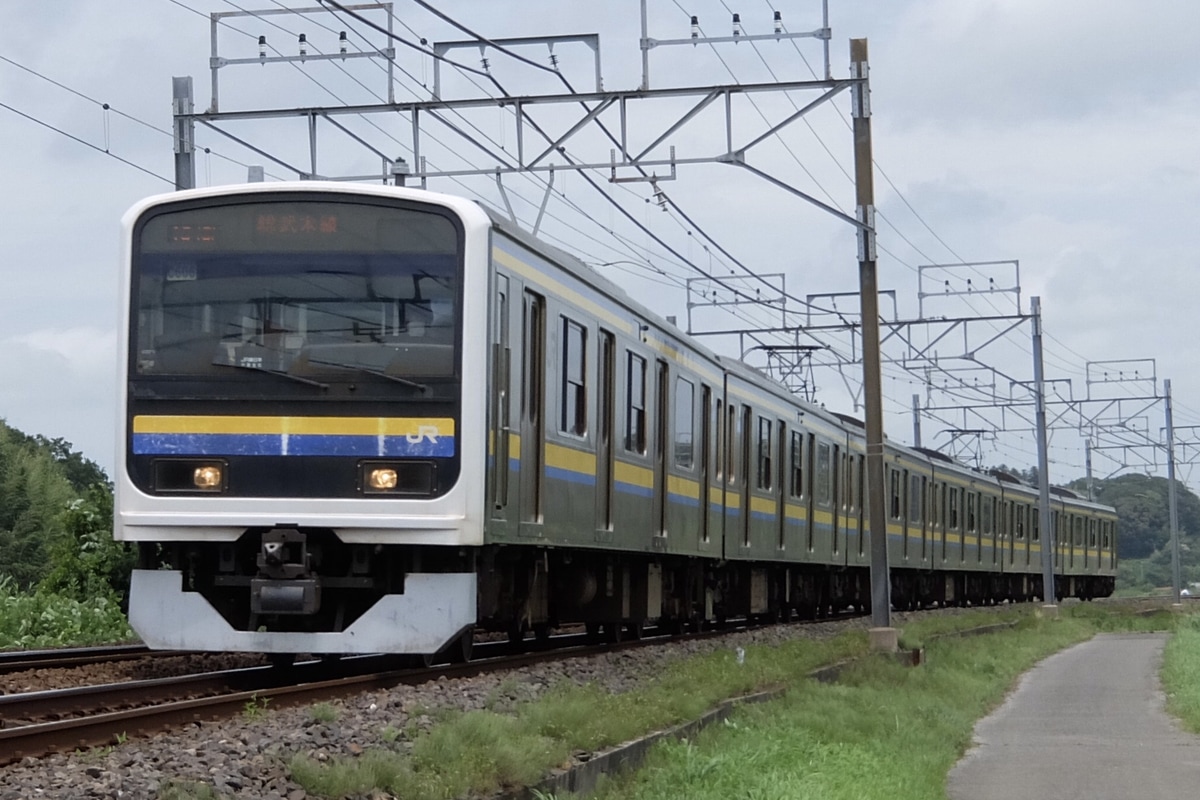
x,y
1085,724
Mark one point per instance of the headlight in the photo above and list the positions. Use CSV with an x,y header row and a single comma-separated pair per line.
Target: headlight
x,y
405,478
208,477
381,479
190,475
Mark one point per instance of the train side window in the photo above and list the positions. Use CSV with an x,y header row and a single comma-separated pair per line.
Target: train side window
x,y
1035,525
635,404
719,444
763,479
685,423
916,495
972,502
573,400
823,479
732,434
953,509
1091,533
796,488
894,493
1022,512
987,514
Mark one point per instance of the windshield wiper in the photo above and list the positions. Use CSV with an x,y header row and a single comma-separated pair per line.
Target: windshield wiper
x,y
279,372
421,387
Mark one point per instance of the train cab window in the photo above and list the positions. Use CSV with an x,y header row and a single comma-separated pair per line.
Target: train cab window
x,y
685,423
796,487
573,399
635,404
823,480
916,494
763,477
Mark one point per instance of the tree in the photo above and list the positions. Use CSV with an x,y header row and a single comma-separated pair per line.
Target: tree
x,y
1143,513
39,479
87,562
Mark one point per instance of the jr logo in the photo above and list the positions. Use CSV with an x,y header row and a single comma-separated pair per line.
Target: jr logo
x,y
424,432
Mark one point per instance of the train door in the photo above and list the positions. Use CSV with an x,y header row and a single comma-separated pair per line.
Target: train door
x,y
533,335
661,421
781,484
702,458
501,424
836,479
917,515
604,430
745,431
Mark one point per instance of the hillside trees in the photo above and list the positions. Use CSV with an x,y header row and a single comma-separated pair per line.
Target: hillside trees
x,y
56,518
1143,513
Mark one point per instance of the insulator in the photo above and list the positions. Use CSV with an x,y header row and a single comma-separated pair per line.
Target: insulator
x,y
262,47
737,24
778,22
303,45
695,27
342,43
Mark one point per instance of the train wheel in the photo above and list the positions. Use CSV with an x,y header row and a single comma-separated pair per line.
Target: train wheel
x,y
516,636
281,660
460,652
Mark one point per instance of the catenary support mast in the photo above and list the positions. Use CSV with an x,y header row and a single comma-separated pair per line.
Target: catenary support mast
x,y
872,374
1046,523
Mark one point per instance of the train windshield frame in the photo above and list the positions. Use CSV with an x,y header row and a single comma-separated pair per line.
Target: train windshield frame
x,y
326,290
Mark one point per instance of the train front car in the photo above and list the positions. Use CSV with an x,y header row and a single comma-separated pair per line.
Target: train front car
x,y
302,470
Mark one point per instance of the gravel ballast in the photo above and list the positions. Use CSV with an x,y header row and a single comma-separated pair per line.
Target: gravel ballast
x,y
245,756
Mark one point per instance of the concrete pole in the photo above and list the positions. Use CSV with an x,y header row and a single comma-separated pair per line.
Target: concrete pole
x,y
1088,462
185,133
916,420
1046,518
884,636
1176,577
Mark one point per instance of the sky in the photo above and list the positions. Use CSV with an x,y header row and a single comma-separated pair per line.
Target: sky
x,y
1061,140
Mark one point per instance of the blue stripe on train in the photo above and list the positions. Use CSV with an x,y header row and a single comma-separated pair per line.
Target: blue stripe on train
x,y
273,444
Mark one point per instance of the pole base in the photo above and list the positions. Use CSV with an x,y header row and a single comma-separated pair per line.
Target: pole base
x,y
1050,611
883,640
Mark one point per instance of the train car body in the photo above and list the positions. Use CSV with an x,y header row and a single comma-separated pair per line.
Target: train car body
x,y
375,419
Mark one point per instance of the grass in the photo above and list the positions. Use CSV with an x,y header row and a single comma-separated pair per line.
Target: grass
x,y
325,713
1181,673
803,742
882,731
42,619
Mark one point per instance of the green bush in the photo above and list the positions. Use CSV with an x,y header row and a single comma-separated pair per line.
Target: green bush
x,y
44,619
86,561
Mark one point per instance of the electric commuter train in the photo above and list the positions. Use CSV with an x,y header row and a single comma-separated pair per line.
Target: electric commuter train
x,y
377,419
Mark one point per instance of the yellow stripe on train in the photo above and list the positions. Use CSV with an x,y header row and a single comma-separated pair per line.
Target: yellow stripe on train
x,y
321,426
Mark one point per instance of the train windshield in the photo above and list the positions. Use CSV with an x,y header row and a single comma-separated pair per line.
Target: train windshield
x,y
315,290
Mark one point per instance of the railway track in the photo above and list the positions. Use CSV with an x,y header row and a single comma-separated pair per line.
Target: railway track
x,y
34,724
21,660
